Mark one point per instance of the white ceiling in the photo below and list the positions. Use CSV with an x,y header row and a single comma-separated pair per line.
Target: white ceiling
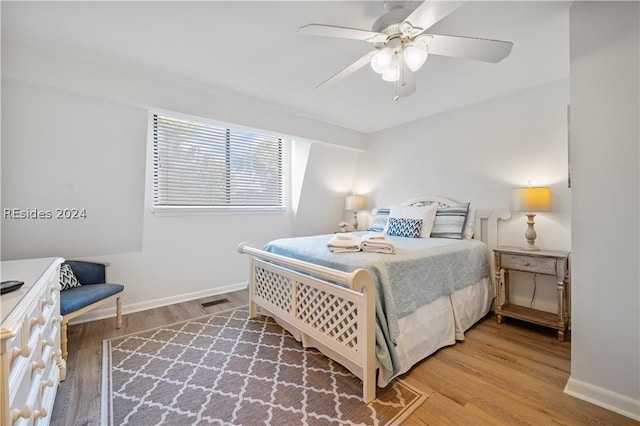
x,y
252,50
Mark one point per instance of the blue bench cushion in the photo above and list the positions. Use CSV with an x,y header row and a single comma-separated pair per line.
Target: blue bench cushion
x,y
78,297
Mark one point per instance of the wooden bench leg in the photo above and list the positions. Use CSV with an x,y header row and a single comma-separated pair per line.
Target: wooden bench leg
x,y
63,339
118,313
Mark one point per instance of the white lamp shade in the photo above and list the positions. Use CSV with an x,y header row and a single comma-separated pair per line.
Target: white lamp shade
x,y
531,199
354,202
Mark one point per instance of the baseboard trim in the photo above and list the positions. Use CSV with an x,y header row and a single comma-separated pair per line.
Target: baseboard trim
x,y
110,312
604,398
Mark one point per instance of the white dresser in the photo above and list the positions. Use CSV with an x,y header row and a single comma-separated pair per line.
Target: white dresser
x,y
32,364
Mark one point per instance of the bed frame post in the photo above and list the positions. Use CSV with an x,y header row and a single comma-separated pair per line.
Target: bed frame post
x,y
362,281
492,241
253,306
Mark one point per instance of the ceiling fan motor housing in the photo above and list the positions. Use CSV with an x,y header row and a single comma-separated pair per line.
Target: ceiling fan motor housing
x,y
390,22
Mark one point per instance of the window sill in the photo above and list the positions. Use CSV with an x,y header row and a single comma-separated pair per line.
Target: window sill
x,y
189,211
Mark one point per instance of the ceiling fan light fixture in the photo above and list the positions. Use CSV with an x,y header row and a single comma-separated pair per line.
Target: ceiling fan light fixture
x,y
381,61
414,57
422,41
392,73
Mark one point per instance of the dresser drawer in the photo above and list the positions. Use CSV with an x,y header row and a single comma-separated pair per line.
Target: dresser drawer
x,y
524,263
27,401
22,372
17,346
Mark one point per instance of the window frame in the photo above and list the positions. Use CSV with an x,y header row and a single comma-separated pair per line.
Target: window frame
x,y
228,209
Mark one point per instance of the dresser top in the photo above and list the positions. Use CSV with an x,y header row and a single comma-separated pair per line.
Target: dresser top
x,y
540,253
29,271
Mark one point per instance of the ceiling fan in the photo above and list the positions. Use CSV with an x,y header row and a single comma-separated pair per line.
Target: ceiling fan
x,y
402,43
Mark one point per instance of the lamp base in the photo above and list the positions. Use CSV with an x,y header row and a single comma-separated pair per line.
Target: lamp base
x,y
530,248
531,234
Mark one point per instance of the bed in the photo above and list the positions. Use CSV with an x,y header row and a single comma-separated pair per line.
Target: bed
x,y
377,314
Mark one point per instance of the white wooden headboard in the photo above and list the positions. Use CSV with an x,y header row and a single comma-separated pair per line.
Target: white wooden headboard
x,y
486,221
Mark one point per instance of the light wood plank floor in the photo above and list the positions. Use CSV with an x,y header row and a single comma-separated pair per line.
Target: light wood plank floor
x,y
508,374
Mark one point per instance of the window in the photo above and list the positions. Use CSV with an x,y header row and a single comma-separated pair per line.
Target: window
x,y
204,165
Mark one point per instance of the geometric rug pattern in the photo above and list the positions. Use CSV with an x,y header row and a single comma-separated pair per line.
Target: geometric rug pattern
x,y
228,369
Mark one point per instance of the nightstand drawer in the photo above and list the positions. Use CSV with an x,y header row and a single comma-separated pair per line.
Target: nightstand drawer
x,y
525,263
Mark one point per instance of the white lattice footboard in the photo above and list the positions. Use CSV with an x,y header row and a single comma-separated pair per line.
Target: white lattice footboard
x,y
338,318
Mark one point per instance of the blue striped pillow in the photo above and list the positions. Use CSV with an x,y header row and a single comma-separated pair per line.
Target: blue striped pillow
x,y
450,222
379,220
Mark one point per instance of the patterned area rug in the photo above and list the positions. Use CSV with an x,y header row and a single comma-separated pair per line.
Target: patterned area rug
x,y
228,369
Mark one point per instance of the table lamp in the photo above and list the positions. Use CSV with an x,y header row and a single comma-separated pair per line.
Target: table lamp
x,y
355,203
531,200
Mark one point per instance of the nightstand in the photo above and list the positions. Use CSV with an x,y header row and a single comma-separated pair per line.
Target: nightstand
x,y
545,262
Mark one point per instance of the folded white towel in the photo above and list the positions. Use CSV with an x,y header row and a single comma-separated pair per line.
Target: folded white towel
x,y
343,236
340,243
375,236
377,242
344,249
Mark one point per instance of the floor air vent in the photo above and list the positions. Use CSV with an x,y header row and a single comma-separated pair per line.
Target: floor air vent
x,y
214,302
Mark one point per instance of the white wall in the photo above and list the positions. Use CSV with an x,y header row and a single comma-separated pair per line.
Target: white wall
x,y
61,151
477,154
605,350
328,178
74,134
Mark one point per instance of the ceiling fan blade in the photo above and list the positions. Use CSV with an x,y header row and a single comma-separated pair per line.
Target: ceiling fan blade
x,y
342,32
428,13
480,49
346,72
406,85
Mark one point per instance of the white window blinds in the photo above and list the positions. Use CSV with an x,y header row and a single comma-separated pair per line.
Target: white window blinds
x,y
202,165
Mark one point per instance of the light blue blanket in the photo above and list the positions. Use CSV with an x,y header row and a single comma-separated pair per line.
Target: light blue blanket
x,y
421,271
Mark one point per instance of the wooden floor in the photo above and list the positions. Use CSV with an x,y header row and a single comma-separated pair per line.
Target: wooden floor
x,y
508,374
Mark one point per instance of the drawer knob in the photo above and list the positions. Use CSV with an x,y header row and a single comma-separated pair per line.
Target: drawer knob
x,y
24,413
41,413
37,365
526,263
37,321
25,351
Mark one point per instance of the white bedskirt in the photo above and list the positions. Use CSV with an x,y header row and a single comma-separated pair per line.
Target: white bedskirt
x,y
440,324
426,330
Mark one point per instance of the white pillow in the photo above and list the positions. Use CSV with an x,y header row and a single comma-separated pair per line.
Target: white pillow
x,y
469,228
427,214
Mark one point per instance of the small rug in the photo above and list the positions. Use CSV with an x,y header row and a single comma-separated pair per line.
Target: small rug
x,y
228,369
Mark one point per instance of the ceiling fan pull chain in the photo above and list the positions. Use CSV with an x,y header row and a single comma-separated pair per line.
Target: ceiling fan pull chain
x,y
395,88
401,72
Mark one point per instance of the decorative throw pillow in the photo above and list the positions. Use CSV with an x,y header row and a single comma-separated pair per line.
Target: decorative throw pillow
x,y
67,277
379,220
402,227
450,222
426,213
469,228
